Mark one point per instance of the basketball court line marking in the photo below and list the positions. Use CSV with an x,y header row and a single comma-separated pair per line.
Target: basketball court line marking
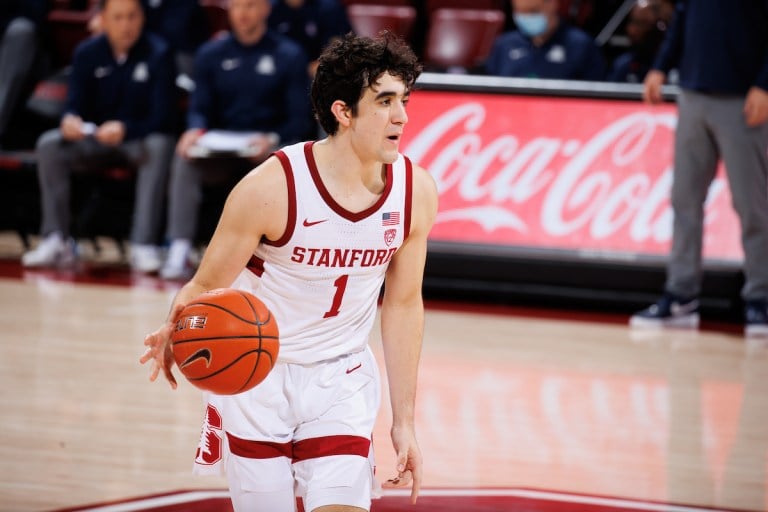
x,y
182,497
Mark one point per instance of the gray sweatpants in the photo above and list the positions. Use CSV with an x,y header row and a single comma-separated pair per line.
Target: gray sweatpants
x,y
185,196
711,127
57,159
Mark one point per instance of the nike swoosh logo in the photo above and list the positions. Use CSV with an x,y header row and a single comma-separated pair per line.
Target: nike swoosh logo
x,y
307,223
350,370
203,353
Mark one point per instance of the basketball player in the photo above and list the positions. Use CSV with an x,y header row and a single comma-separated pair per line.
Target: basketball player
x,y
314,232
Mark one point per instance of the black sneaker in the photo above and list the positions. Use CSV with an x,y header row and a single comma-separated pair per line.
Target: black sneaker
x,y
756,318
670,311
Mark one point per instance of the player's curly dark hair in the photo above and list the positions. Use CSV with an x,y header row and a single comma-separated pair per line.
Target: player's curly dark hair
x,y
351,64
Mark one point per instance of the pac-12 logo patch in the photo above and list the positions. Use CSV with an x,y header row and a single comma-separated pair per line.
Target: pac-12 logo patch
x,y
191,322
389,236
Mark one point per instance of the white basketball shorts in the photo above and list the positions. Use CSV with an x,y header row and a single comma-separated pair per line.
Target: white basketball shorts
x,y
304,431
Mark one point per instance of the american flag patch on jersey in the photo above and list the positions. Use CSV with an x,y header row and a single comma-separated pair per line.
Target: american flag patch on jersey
x,y
390,218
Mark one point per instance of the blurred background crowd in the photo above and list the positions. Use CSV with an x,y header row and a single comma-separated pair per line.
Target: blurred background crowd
x,y
131,89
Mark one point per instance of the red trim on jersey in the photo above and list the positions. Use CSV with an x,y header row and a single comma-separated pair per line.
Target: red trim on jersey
x,y
290,222
332,204
330,445
255,265
258,449
305,449
408,197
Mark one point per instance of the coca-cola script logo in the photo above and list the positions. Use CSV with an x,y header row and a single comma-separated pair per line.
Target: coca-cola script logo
x,y
583,174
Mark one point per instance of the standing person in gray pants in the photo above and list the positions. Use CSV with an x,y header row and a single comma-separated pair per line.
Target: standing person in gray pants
x,y
721,48
119,112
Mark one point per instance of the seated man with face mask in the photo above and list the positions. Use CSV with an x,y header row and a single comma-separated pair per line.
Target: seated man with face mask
x,y
543,46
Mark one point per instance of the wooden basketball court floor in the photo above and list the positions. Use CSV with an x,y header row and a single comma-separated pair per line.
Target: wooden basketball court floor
x,y
517,409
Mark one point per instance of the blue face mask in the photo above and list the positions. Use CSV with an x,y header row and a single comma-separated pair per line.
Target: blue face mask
x,y
533,24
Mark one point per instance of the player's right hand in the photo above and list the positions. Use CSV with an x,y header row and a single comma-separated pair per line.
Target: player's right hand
x,y
409,461
159,351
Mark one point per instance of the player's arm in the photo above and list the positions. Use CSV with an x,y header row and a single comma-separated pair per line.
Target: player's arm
x,y
402,326
256,207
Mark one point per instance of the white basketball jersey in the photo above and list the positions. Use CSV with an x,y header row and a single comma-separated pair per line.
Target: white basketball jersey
x,y
323,277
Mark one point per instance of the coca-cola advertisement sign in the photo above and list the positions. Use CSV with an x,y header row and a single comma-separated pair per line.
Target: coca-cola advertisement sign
x,y
588,175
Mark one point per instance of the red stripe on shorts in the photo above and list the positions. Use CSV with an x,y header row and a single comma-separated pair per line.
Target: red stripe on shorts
x,y
330,445
258,449
301,450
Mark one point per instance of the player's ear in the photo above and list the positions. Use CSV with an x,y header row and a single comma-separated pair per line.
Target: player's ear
x,y
341,112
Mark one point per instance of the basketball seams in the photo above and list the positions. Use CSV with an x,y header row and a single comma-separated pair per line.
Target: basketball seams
x,y
258,326
256,322
231,363
234,361
226,338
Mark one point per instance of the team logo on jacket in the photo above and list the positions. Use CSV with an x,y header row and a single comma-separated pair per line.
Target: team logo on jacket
x,y
102,71
266,65
389,236
141,72
230,64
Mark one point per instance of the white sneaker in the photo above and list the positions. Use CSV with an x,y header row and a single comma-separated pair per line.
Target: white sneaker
x,y
177,263
145,258
53,251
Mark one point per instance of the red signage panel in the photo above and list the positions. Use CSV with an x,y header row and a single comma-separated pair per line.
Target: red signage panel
x,y
589,175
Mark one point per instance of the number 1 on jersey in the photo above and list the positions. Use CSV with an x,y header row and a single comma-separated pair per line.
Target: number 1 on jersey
x,y
341,285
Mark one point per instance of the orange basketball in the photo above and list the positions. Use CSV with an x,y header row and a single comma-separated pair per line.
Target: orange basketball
x,y
225,341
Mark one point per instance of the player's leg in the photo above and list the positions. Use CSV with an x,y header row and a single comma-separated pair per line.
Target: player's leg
x,y
253,431
333,453
261,485
337,482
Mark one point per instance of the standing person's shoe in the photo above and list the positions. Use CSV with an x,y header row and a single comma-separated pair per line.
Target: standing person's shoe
x,y
53,251
670,311
145,258
756,318
177,265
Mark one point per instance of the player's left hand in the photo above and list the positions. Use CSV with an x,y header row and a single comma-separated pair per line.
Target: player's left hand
x,y
159,351
409,461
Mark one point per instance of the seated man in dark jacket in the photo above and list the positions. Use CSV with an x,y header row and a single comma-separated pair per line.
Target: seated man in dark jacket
x,y
118,114
251,84
543,46
311,23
